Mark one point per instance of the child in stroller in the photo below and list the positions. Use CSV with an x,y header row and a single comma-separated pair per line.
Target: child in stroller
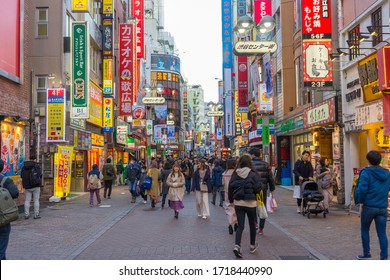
x,y
312,199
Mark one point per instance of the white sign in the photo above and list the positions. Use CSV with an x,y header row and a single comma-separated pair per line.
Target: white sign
x,y
254,47
367,114
219,133
164,139
214,113
153,100
149,127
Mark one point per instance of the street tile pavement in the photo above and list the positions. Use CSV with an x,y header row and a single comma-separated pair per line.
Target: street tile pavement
x,y
123,230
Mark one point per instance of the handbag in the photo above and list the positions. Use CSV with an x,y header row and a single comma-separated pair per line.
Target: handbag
x,y
274,203
261,210
147,183
204,187
297,192
269,204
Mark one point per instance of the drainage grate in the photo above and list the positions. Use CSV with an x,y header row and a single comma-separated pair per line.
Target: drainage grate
x,y
289,258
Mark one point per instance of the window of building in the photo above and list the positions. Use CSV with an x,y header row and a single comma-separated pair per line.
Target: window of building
x,y
353,38
376,20
94,59
42,16
41,87
297,15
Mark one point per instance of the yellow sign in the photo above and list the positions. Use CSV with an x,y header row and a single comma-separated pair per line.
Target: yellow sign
x,y
80,5
63,170
95,104
55,108
107,7
236,113
368,76
108,109
107,76
97,140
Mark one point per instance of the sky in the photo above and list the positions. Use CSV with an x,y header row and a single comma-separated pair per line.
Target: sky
x,y
196,28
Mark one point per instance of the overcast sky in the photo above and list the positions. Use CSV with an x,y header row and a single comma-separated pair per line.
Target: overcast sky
x,y
196,27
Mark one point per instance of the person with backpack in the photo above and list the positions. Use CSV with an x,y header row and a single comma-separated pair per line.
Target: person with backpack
x,y
5,230
216,183
31,175
133,173
141,184
120,168
94,184
109,175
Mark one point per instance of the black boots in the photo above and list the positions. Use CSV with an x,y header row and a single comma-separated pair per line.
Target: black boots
x,y
176,214
230,229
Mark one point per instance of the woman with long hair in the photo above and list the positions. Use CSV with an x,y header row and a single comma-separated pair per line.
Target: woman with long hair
x,y
202,186
164,173
176,182
229,207
242,190
155,190
325,176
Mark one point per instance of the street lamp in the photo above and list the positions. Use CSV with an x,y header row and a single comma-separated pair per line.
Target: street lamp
x,y
246,24
154,90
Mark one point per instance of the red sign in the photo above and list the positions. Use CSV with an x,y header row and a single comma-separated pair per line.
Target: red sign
x,y
262,8
316,19
127,68
138,14
242,84
383,58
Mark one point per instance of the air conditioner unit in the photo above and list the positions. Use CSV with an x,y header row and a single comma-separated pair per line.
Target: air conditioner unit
x,y
40,111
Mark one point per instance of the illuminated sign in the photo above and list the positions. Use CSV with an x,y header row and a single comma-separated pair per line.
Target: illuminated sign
x,y
254,47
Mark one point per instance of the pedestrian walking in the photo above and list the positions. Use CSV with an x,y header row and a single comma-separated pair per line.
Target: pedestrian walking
x,y
303,170
141,184
95,178
155,190
216,183
266,177
202,186
164,173
133,172
243,187
372,191
120,168
176,182
324,178
31,175
229,207
188,171
109,175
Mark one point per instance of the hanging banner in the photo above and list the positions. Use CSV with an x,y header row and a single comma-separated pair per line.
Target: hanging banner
x,y
63,169
242,62
171,132
161,112
149,127
56,115
139,14
108,111
127,68
95,105
80,53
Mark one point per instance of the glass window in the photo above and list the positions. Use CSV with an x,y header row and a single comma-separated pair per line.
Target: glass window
x,y
41,89
42,15
376,21
353,39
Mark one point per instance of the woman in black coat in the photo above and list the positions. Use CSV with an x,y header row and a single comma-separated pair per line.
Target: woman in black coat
x,y
201,183
242,190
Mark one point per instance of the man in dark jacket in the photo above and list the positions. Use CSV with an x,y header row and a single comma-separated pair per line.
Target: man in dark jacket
x,y
133,173
109,175
5,230
216,183
31,174
303,170
266,178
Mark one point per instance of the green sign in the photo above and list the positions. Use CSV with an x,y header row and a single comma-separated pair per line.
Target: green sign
x,y
80,47
265,134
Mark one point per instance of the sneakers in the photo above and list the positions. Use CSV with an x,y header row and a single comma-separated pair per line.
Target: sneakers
x,y
26,217
37,216
260,231
253,248
299,210
145,201
90,205
199,216
204,217
237,251
364,257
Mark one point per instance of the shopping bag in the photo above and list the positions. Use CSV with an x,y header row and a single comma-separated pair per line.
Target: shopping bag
x,y
297,192
274,203
262,212
260,198
269,204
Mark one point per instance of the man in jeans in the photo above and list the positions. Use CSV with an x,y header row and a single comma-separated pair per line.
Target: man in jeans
x,y
31,189
372,191
133,173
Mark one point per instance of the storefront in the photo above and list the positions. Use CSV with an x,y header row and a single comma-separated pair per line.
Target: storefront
x,y
96,153
82,142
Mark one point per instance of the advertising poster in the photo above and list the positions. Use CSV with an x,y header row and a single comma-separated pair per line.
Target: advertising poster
x,y
56,114
80,53
108,111
12,148
95,105
336,145
165,62
161,114
171,132
63,170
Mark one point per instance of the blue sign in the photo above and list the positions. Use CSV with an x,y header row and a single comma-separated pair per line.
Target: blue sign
x,y
227,38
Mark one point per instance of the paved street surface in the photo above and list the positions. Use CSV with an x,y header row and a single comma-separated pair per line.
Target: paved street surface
x,y
121,230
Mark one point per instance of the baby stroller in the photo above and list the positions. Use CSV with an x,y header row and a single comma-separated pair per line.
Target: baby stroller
x,y
312,199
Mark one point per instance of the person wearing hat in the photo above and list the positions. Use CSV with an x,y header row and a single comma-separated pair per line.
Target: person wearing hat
x,y
267,179
5,230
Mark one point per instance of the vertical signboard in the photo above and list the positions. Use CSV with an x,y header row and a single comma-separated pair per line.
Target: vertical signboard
x,y
316,19
107,37
107,75
268,81
242,84
108,111
95,104
127,68
80,69
261,8
241,8
63,170
138,14
108,8
227,42
56,113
